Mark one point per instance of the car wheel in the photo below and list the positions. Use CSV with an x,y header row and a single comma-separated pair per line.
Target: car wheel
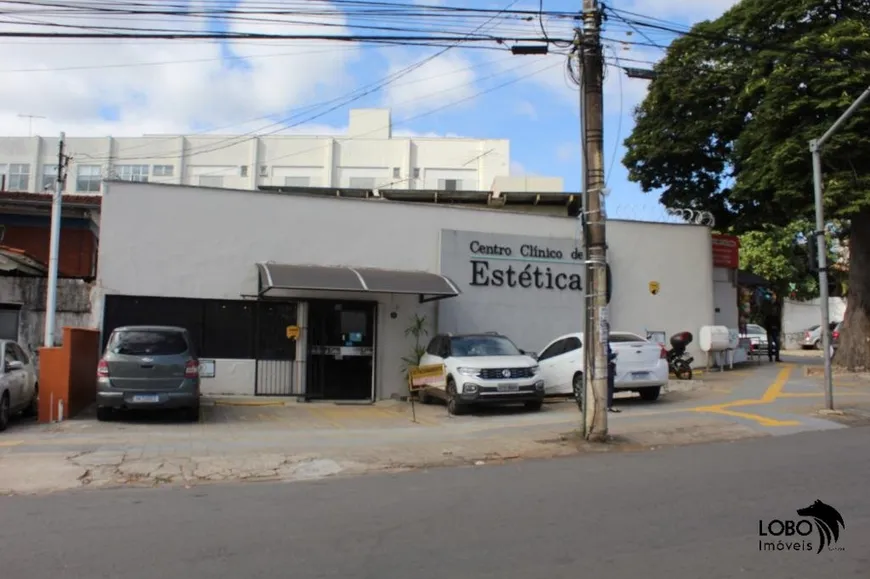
x,y
650,394
577,385
104,414
818,345
4,411
33,408
454,406
682,370
534,405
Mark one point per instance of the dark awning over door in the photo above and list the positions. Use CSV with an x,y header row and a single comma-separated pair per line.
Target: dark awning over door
x,y
281,276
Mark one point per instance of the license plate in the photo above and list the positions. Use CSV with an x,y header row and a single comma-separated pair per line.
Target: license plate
x,y
639,375
508,387
146,398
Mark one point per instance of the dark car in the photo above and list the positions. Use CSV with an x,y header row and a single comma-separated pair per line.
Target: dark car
x,y
835,337
148,367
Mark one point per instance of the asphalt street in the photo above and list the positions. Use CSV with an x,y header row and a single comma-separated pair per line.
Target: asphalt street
x,y
680,513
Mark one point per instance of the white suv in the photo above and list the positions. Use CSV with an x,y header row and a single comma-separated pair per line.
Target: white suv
x,y
482,369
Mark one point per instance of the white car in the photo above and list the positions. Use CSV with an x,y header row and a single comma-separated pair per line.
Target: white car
x,y
18,387
481,369
757,336
641,366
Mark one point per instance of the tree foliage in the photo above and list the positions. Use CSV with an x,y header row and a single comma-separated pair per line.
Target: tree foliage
x,y
727,122
782,256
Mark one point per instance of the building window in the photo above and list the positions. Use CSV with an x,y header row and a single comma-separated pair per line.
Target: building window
x,y
9,318
211,181
243,171
362,183
49,177
416,172
397,172
136,173
17,176
297,181
162,170
449,184
88,179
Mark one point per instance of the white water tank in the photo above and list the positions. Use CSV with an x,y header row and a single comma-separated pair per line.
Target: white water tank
x,y
714,339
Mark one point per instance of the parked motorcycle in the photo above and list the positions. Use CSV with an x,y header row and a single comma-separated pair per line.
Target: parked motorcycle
x,y
679,362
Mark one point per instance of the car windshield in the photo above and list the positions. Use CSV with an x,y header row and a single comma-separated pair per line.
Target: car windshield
x,y
812,328
466,346
754,329
147,343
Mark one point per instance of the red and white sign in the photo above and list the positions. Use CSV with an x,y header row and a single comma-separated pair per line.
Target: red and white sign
x,y
726,251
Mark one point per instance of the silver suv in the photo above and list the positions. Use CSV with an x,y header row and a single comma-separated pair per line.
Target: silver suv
x,y
148,367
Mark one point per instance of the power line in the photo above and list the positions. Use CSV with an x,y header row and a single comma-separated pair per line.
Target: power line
x,y
366,90
429,112
283,126
736,41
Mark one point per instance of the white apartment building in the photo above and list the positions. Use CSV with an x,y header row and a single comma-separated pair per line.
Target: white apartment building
x,y
367,157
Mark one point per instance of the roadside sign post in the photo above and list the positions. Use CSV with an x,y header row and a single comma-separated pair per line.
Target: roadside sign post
x,y
419,377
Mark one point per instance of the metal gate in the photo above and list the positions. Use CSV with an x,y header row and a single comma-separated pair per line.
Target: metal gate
x,y
277,367
278,378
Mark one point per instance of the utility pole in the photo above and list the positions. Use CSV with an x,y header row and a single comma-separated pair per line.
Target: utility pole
x,y
597,328
51,293
816,150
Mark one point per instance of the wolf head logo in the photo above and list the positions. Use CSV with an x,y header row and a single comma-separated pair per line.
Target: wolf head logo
x,y
828,522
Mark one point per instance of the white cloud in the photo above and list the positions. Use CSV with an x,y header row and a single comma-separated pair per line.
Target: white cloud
x,y
191,87
683,10
444,79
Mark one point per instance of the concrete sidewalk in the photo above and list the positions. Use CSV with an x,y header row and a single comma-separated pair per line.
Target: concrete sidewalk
x,y
303,441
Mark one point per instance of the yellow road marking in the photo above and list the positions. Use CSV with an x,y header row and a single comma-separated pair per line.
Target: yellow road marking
x,y
770,395
762,420
9,443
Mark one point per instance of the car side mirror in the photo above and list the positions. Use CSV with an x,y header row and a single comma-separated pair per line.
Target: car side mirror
x,y
14,365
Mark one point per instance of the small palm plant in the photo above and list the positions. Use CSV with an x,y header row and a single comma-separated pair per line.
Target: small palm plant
x,y
417,330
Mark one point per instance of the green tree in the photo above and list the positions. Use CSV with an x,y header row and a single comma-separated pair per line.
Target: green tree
x,y
727,122
782,256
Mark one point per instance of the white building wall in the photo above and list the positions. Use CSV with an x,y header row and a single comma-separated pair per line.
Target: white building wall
x,y
798,316
726,311
210,240
246,162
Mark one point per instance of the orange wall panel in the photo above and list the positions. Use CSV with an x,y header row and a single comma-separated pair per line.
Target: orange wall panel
x,y
77,246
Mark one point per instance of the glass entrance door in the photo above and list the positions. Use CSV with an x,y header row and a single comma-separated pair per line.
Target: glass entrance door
x,y
341,344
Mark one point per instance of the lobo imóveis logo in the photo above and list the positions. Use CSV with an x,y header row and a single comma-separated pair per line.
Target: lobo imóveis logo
x,y
819,520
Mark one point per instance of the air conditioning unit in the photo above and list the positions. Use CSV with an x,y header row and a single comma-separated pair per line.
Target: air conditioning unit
x,y
264,171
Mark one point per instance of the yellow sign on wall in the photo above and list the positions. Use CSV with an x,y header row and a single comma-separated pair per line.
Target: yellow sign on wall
x,y
654,287
292,332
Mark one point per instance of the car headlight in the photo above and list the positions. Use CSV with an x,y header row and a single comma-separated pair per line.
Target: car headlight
x,y
535,370
473,372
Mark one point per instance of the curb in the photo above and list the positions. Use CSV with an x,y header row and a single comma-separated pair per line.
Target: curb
x,y
252,403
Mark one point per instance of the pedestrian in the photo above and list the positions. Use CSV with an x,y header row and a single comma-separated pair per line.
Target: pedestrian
x,y
772,325
611,379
